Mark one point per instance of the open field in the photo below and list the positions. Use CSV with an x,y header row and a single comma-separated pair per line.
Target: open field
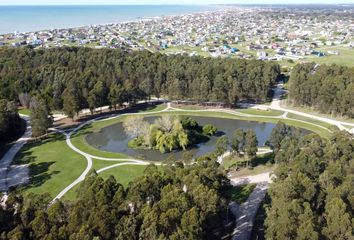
x,y
53,165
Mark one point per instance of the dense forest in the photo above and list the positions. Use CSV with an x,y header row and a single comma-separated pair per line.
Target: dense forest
x,y
176,202
76,78
313,195
10,122
328,89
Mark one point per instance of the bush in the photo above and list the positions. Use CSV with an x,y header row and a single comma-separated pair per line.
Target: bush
x,y
209,130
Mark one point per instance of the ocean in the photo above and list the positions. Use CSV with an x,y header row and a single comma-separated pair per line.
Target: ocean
x,y
34,18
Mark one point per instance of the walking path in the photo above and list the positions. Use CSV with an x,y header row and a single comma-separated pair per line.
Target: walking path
x,y
246,212
14,175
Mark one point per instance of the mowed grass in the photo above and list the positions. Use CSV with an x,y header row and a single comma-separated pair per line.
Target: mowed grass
x,y
53,165
99,164
306,119
272,113
124,174
345,58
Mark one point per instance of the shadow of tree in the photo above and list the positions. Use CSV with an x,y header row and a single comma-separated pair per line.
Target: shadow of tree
x,y
38,171
263,160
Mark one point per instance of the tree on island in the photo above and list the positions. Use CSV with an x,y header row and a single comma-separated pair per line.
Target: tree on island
x,y
165,134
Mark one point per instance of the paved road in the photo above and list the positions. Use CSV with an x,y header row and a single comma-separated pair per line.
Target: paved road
x,y
246,212
14,175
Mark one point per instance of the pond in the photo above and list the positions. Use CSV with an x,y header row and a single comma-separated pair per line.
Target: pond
x,y
114,139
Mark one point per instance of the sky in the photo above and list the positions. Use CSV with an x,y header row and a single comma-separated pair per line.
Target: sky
x,y
199,2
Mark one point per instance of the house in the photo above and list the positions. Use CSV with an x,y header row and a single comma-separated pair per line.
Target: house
x,y
234,50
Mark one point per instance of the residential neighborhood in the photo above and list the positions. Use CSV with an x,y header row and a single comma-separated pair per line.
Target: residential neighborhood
x,y
277,34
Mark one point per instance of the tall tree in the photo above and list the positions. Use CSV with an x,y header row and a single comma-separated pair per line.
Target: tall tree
x,y
41,118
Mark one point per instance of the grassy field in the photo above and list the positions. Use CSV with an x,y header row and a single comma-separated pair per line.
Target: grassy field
x,y
99,164
53,165
124,174
345,58
311,120
271,113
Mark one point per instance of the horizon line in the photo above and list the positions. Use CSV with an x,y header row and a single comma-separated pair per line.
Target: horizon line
x,y
172,4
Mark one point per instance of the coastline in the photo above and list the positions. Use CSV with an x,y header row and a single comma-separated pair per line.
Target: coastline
x,y
180,11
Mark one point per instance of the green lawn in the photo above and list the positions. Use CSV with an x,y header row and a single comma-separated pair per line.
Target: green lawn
x,y
99,164
124,174
53,165
306,119
345,58
271,113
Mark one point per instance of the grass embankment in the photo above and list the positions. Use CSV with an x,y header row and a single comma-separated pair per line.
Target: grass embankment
x,y
270,113
53,165
310,120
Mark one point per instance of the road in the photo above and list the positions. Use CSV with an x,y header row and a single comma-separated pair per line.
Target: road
x,y
14,175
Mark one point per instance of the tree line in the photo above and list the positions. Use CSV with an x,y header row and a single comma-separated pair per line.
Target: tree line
x,y
71,79
175,202
328,89
11,124
312,195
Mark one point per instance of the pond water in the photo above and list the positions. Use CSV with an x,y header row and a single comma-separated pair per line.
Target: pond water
x,y
114,139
